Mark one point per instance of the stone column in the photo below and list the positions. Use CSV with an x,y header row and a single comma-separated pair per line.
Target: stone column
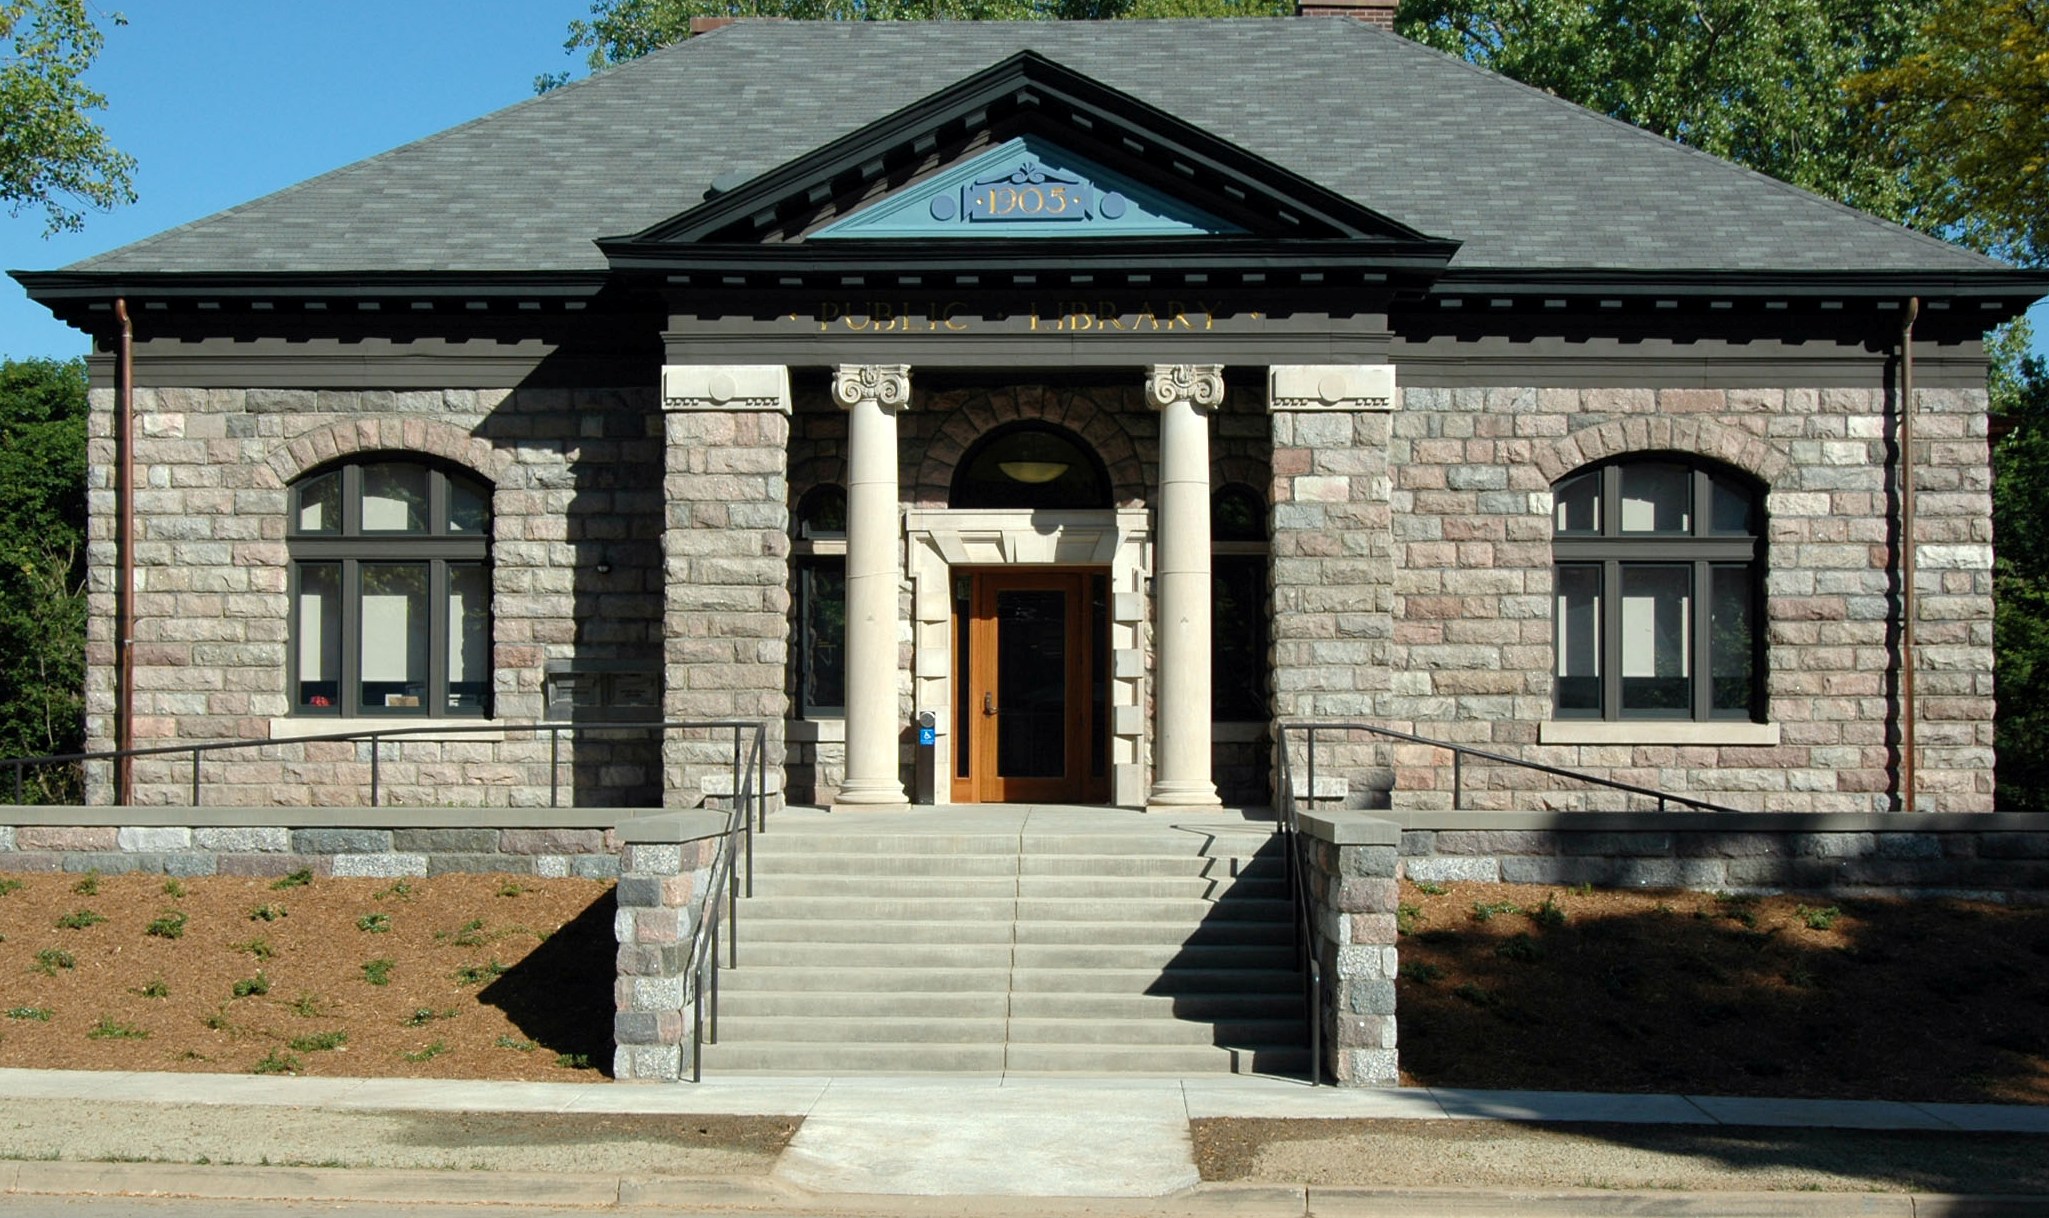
x,y
872,394
726,569
1184,394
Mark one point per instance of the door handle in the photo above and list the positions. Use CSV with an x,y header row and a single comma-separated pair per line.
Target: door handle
x,y
988,703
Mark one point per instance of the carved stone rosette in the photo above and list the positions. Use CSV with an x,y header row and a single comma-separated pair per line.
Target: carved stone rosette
x,y
887,385
1201,385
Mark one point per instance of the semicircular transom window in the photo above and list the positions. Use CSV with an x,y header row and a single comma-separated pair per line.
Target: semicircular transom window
x,y
1030,465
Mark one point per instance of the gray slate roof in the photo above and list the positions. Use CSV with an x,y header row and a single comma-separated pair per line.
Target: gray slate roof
x,y
1523,179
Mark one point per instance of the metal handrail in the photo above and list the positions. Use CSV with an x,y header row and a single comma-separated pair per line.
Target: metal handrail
x,y
1304,924
1458,754
376,736
722,895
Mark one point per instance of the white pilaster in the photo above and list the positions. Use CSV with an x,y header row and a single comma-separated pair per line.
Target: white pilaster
x,y
872,395
1184,394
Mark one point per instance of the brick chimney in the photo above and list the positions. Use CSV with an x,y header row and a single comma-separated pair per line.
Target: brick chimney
x,y
1372,12
705,25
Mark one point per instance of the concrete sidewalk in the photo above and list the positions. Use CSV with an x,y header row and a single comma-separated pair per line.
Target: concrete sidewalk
x,y
874,1142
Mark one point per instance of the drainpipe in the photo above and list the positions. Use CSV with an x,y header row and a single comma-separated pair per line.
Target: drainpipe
x,y
1908,606
124,560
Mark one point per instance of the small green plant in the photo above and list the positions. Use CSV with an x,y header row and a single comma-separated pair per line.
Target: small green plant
x,y
573,1061
378,972
308,1006
1738,907
218,1021
1430,888
1818,919
1550,914
79,919
1519,947
156,988
7,886
297,879
38,1014
319,1041
1407,917
511,889
427,1054
109,1028
374,924
50,959
1468,992
1801,977
421,1017
174,888
168,925
1422,972
258,947
477,974
1484,911
89,886
523,1046
250,987
278,1063
400,891
266,913
469,934
1584,888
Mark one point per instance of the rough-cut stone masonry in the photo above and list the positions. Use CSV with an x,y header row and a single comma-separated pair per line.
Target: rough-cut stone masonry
x,y
576,477
664,891
1353,891
1471,654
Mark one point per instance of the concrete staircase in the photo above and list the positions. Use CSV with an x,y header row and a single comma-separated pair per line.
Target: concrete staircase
x,y
1110,945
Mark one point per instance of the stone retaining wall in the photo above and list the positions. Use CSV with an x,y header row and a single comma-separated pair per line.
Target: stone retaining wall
x,y
1352,883
664,892
358,842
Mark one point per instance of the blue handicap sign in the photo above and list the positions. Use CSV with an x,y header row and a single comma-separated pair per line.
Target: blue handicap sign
x,y
928,735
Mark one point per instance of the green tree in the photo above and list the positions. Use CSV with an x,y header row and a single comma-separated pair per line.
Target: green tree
x,y
1965,121
42,543
52,155
1753,81
2020,570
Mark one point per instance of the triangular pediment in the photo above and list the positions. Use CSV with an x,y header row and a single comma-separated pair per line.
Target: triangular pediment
x,y
1028,187
896,177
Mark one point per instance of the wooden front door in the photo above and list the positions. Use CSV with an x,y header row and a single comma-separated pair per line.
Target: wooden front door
x,y
1031,662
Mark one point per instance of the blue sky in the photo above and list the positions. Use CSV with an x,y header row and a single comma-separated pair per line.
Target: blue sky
x,y
222,101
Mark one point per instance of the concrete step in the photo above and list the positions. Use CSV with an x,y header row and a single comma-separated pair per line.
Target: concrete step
x,y
879,980
1154,1031
1126,887
781,862
790,930
774,884
883,1004
1156,1059
1222,933
1226,908
1189,910
1154,981
908,1029
858,910
1226,1005
1154,956
786,1057
882,955
1151,865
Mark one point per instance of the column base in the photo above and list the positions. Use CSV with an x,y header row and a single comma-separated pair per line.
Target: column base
x,y
871,794
1182,794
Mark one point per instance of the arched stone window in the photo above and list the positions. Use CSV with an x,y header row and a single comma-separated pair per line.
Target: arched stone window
x,y
390,590
821,650
1238,608
1030,465
1660,586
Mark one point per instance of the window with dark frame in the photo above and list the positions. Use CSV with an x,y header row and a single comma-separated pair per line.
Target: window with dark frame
x,y
1238,605
1659,587
821,651
390,591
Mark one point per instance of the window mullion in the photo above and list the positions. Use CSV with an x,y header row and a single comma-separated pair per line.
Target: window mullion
x,y
437,637
1703,666
349,673
1611,639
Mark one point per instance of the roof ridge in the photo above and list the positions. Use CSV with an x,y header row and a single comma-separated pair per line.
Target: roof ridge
x,y
1889,227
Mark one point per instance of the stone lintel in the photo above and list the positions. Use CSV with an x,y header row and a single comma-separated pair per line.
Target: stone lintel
x,y
1330,387
726,387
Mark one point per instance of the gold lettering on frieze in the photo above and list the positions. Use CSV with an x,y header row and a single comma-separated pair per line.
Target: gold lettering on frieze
x,y
1064,317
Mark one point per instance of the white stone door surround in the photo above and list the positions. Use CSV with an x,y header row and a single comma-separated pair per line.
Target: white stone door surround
x,y
940,539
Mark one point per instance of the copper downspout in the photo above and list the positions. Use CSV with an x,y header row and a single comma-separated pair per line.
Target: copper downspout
x,y
1907,549
124,550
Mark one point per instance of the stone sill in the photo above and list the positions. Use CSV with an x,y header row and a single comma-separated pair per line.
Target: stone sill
x,y
824,730
436,730
389,816
1652,731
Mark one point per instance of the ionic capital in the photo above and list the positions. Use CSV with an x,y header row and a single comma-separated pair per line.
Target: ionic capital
x,y
887,385
1201,385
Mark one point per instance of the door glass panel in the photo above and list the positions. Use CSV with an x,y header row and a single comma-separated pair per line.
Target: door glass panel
x,y
1579,640
394,636
1656,610
1656,498
1031,684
